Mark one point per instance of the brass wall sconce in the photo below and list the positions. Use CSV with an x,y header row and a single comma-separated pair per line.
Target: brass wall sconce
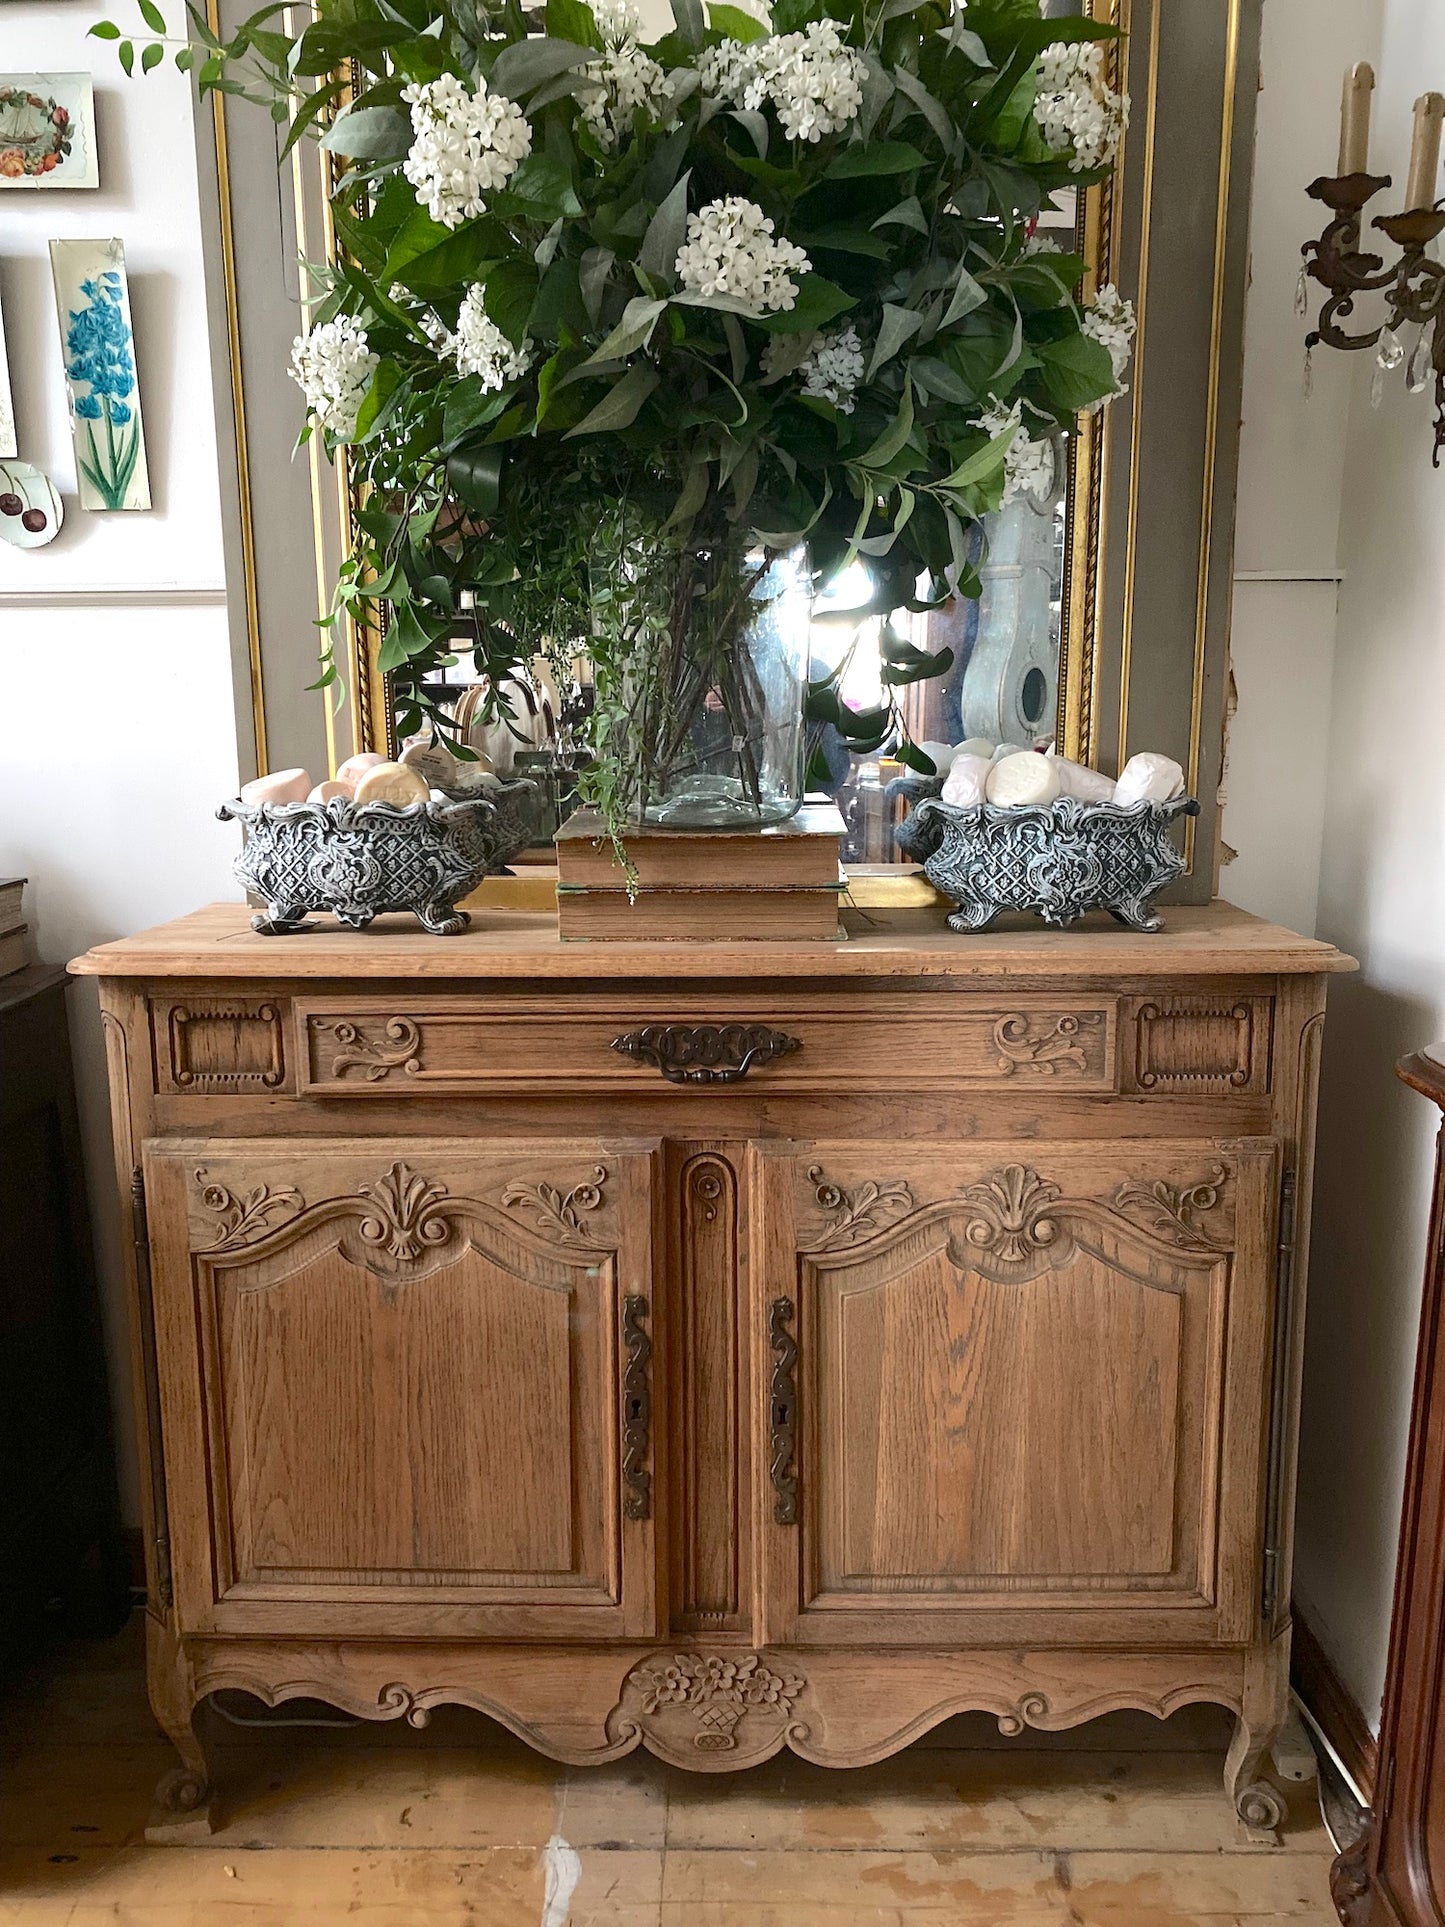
x,y
1413,286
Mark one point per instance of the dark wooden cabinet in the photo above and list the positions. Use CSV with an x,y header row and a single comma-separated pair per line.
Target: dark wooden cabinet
x,y
1395,1875
63,1558
947,1359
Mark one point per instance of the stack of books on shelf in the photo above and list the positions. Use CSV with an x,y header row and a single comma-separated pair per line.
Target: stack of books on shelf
x,y
14,931
783,883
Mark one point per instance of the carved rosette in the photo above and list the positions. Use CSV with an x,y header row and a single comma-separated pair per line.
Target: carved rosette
x,y
690,1704
398,1048
854,1215
241,1221
1043,1052
561,1216
1173,1211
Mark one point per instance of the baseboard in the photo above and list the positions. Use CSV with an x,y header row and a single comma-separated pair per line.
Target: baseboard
x,y
1318,1683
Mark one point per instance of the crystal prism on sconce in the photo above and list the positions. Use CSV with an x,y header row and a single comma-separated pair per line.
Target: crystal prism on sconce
x,y
1414,285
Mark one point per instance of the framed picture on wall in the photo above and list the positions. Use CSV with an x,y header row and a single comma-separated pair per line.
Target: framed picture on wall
x,y
47,131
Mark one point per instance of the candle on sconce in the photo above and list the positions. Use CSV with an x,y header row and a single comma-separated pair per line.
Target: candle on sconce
x,y
1425,151
1355,118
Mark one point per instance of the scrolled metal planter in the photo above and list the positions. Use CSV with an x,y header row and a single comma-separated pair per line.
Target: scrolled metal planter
x,y
1058,859
358,860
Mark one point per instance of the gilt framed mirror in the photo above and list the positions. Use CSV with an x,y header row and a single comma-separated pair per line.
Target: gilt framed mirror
x,y
1104,619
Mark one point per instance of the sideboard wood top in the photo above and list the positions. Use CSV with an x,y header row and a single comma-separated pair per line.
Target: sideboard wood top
x,y
1204,940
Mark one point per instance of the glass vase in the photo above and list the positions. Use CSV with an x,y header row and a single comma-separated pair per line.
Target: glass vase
x,y
700,652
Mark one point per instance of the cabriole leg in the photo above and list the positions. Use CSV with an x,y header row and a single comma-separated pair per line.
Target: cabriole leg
x,y
184,1796
1262,1714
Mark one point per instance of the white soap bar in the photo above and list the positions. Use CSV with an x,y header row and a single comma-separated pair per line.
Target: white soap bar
x,y
966,779
942,754
1010,749
328,791
1076,779
281,786
1022,778
355,767
1149,778
389,783
975,746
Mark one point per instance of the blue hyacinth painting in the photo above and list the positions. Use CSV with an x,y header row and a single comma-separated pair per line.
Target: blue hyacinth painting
x,y
96,337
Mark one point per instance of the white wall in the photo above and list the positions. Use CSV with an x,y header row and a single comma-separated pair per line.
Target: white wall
x,y
117,728
1335,827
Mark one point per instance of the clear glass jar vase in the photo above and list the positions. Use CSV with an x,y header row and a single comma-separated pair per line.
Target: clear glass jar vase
x,y
700,652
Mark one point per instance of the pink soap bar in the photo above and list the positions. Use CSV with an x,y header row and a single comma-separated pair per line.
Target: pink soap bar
x,y
281,786
355,767
328,791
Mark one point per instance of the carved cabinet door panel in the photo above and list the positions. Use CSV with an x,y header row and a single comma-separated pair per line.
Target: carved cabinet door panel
x,y
407,1387
1013,1393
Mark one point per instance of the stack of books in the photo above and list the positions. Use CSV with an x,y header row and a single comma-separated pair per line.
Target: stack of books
x,y
14,931
783,883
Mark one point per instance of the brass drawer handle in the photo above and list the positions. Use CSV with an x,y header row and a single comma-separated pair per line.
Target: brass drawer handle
x,y
705,1053
783,1412
636,1410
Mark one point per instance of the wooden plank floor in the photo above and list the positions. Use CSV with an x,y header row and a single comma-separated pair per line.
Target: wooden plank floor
x,y
1119,1824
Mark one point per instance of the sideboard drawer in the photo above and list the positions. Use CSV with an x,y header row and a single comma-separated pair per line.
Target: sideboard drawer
x,y
361,1047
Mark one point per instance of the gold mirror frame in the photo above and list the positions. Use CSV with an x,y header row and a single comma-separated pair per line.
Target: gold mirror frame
x,y
1150,492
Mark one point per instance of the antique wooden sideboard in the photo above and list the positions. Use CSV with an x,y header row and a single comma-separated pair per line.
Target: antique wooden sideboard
x,y
718,1346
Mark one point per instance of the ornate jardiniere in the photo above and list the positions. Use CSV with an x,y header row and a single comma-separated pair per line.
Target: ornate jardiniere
x,y
360,859
1059,859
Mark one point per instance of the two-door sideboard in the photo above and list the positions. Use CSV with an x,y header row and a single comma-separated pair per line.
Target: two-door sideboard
x,y
718,1347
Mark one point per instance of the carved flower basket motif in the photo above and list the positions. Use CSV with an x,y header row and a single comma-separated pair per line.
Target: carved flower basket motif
x,y
358,860
1058,859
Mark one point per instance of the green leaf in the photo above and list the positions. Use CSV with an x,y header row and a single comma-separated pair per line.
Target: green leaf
x,y
528,64
152,57
374,403
572,20
618,407
592,272
369,134
634,331
756,127
939,381
932,110
508,294
844,238
982,464
185,57
874,157
818,302
1076,371
965,41
152,16
690,24
127,56
908,213
664,236
475,478
737,24
105,30
894,435
897,326
469,406
967,295
543,185
691,498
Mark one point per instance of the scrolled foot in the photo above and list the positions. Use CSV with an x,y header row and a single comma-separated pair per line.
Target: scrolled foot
x,y
1350,1886
1138,916
972,916
183,1808
1261,1807
442,919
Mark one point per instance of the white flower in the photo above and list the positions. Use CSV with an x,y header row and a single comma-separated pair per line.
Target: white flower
x,y
628,77
833,368
1075,107
1040,243
466,144
333,366
1109,320
813,80
479,347
1028,464
730,250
